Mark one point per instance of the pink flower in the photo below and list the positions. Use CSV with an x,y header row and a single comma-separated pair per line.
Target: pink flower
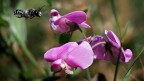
x,y
70,55
108,49
98,45
114,47
68,22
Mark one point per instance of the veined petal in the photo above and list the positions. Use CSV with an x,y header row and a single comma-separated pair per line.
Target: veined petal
x,y
113,39
81,56
58,52
127,55
76,16
98,47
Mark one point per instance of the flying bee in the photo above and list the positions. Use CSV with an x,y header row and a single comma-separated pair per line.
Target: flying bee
x,y
28,13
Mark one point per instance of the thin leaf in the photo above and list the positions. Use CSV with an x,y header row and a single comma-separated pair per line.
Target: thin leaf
x,y
18,25
115,16
126,76
50,3
19,35
88,75
124,34
1,7
3,22
136,59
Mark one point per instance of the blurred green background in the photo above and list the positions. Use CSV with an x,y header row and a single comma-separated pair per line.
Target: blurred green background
x,y
23,42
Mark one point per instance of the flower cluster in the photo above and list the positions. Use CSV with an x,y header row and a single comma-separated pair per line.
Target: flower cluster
x,y
81,54
109,49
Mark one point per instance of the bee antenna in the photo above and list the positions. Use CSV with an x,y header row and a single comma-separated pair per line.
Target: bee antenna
x,y
45,12
41,7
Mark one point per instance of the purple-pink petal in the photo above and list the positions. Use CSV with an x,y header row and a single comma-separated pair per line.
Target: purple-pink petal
x,y
113,39
84,24
56,65
58,52
63,27
127,55
78,17
54,12
98,50
81,56
107,56
60,24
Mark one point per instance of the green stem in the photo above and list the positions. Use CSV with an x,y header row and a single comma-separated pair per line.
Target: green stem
x,y
117,65
115,17
88,75
8,50
124,77
29,55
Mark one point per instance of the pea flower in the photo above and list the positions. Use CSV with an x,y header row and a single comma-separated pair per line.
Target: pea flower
x,y
109,49
69,56
98,45
68,22
114,47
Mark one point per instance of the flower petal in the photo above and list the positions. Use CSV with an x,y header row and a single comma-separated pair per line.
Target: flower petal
x,y
56,65
98,48
76,16
127,55
54,12
113,39
81,56
58,52
84,24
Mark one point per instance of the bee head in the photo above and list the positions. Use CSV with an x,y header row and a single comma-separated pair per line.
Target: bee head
x,y
38,13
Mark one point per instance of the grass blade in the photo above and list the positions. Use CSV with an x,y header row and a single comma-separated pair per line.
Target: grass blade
x,y
115,16
88,74
124,34
128,71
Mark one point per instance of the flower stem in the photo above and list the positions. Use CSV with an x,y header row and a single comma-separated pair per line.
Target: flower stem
x,y
88,75
29,55
117,65
85,37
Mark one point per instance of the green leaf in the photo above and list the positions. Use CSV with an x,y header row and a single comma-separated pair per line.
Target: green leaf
x,y
18,26
115,16
86,10
3,22
135,60
50,3
1,7
64,38
19,35
124,34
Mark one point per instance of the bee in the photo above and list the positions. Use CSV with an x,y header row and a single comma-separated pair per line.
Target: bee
x,y
28,13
